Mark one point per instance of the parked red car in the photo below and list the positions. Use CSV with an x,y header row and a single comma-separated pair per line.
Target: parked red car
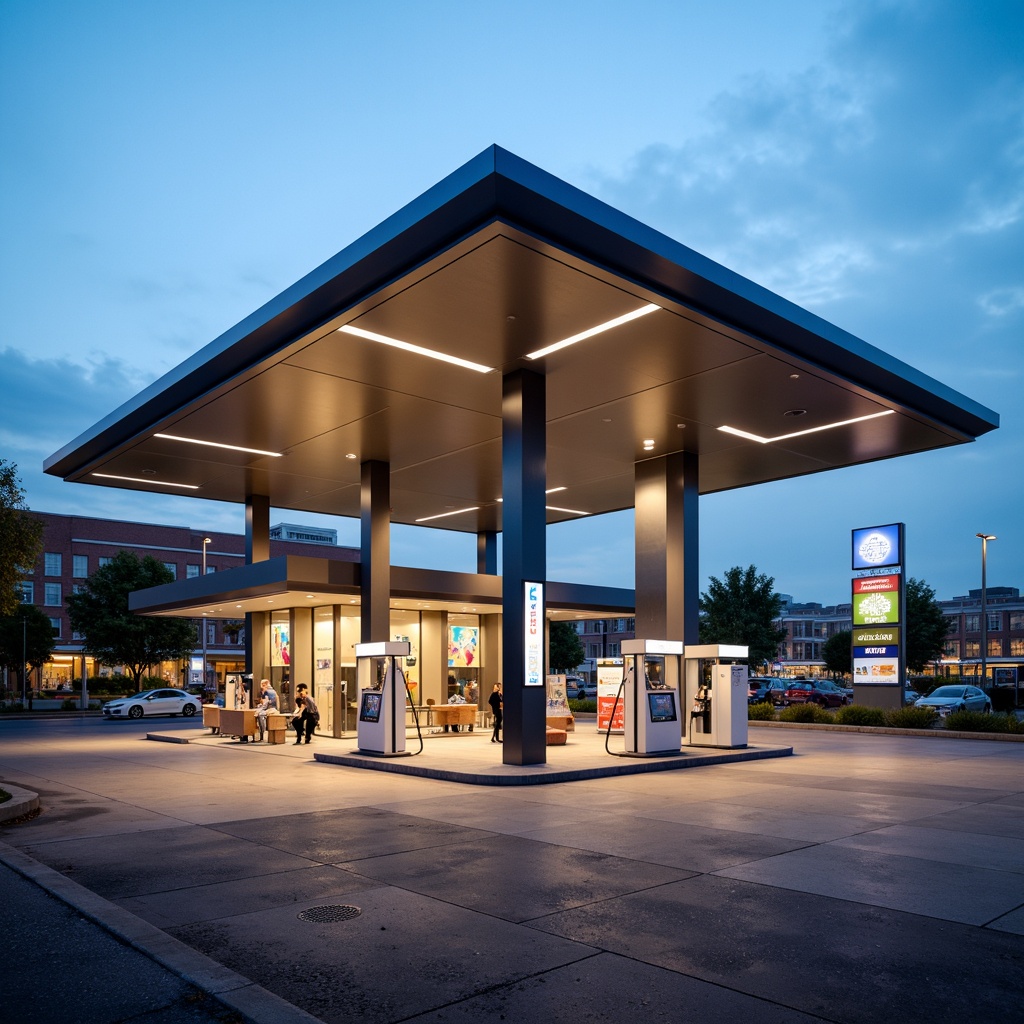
x,y
807,691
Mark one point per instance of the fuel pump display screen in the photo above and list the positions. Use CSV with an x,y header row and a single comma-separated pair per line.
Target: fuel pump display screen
x,y
662,706
369,709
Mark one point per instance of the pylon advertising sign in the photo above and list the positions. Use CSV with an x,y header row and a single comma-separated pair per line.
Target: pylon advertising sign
x,y
879,607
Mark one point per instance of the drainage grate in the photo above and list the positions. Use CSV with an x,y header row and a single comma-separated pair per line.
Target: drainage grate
x,y
328,915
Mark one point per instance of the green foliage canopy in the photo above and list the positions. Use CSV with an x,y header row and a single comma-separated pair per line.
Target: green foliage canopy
x,y
837,653
116,636
28,635
741,609
21,538
926,625
565,649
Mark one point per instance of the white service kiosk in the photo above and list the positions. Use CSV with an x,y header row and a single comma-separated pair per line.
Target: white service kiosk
x,y
380,728
717,687
652,672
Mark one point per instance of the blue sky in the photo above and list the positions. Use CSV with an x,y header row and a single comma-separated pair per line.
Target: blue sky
x,y
167,167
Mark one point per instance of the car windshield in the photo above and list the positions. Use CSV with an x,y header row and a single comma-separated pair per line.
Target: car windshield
x,y
947,691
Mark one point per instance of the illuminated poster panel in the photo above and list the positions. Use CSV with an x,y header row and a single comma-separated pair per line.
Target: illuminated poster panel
x,y
463,646
280,652
533,634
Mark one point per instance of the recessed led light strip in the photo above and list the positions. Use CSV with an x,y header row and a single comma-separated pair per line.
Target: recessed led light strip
x,y
419,350
599,329
443,515
218,444
146,480
568,511
801,433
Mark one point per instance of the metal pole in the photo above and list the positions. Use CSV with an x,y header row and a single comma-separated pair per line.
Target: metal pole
x,y
206,540
24,657
984,538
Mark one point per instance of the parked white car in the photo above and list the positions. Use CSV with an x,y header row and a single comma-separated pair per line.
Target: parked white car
x,y
153,702
946,699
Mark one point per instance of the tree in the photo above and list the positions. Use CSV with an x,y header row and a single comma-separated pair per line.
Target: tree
x,y
741,610
838,654
926,625
113,634
565,649
21,538
25,637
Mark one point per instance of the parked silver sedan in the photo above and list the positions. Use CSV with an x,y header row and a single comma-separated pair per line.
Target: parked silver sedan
x,y
946,699
153,702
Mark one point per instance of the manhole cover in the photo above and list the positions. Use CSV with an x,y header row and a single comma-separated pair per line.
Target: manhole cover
x,y
327,915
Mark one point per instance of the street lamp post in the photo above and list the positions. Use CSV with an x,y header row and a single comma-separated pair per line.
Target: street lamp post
x,y
984,538
206,540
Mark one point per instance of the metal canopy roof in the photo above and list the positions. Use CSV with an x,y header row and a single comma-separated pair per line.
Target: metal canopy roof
x,y
495,262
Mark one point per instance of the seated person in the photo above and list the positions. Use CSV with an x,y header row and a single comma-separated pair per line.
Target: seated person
x,y
455,698
267,704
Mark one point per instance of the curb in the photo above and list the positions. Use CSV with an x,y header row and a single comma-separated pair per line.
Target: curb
x,y
254,1002
23,801
884,730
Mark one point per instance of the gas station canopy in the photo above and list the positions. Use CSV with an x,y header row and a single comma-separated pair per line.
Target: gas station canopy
x,y
395,350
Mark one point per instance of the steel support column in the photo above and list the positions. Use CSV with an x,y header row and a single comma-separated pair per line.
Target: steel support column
x,y
524,557
257,549
487,553
375,552
667,537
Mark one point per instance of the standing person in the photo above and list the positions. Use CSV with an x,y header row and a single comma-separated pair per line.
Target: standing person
x,y
495,702
306,716
267,704
473,697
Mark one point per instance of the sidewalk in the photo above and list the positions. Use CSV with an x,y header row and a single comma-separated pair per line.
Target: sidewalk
x,y
832,884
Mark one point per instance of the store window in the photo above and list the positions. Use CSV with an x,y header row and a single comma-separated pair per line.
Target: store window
x,y
1017,648
972,649
52,563
80,566
995,648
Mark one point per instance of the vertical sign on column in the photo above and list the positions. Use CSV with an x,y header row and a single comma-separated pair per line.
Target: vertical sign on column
x,y
533,634
879,612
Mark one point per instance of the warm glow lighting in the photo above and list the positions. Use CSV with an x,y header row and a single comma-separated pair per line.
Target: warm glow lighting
x,y
146,480
217,444
801,433
419,350
442,515
599,329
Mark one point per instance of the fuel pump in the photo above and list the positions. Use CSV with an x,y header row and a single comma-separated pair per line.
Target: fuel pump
x,y
652,673
718,715
380,728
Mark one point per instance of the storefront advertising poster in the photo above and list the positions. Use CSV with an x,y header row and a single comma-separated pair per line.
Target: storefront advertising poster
x,y
533,634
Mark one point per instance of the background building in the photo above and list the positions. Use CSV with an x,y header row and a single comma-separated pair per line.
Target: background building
x,y
74,547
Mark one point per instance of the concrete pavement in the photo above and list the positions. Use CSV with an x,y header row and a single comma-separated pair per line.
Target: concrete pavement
x,y
863,878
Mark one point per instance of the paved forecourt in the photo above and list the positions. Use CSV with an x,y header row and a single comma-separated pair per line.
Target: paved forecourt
x,y
862,877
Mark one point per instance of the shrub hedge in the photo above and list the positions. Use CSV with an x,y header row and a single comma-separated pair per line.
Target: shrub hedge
x,y
910,718
806,713
762,711
855,714
977,721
